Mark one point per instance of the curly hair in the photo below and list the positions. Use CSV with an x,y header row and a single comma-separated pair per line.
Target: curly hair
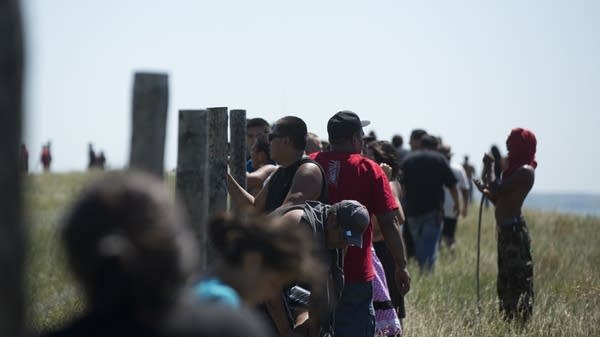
x,y
385,152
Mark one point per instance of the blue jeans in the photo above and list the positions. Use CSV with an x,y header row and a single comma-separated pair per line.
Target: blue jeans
x,y
354,314
426,230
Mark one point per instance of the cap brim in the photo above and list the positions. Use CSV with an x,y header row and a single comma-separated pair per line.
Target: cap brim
x,y
354,241
364,123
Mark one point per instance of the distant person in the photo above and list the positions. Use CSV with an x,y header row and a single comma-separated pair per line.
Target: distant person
x,y
313,144
470,172
450,217
91,156
23,159
398,142
415,139
350,176
46,157
425,172
515,265
263,164
101,160
255,128
132,251
334,228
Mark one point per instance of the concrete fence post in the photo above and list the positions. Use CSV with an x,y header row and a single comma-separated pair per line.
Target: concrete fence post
x,y
149,122
12,310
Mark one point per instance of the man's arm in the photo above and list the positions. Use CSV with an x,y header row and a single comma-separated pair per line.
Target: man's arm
x,y
306,185
258,177
390,228
454,195
244,200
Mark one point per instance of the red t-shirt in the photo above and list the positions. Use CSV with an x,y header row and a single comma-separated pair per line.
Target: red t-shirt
x,y
350,176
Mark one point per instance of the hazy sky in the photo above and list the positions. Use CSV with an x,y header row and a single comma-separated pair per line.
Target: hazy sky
x,y
466,70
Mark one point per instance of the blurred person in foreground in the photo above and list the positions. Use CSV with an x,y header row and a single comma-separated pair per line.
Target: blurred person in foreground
x,y
131,249
507,193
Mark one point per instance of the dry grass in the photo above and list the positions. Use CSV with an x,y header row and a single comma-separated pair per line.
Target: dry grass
x,y
565,250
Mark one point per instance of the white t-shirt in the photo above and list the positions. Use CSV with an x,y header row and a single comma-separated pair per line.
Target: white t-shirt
x,y
461,177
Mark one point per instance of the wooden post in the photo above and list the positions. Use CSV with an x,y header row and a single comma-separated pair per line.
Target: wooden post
x,y
11,233
149,123
217,158
192,173
237,147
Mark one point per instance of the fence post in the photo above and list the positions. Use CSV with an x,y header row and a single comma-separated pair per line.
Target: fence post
x,y
11,233
192,173
149,120
237,148
217,158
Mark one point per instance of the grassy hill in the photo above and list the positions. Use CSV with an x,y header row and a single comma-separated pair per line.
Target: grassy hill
x,y
565,250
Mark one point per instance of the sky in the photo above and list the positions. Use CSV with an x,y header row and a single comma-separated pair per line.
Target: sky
x,y
468,71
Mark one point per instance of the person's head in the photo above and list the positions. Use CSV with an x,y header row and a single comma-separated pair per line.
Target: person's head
x,y
446,151
415,139
382,151
261,152
255,127
346,222
260,255
521,145
345,131
313,144
429,142
466,158
288,139
397,141
128,243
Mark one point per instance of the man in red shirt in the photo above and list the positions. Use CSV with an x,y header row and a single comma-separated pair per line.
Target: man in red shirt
x,y
350,176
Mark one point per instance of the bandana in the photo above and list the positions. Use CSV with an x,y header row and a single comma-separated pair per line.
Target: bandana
x,y
521,145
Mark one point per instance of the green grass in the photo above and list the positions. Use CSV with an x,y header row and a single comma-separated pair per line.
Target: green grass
x,y
566,277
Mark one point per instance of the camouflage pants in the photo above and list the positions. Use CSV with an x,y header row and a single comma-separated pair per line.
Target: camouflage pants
x,y
515,271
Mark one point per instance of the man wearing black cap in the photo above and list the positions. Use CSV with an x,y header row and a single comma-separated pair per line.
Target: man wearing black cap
x,y
352,176
335,228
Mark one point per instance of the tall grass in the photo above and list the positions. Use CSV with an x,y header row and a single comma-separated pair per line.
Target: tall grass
x,y
566,275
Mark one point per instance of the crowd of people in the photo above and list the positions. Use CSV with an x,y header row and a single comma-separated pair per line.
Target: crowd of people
x,y
95,160
318,246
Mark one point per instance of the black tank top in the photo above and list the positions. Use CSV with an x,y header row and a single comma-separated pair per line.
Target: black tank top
x,y
281,181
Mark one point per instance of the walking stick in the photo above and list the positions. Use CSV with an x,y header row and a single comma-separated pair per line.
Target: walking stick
x,y
479,252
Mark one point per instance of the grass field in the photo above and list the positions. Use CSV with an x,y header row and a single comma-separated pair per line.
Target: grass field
x,y
566,255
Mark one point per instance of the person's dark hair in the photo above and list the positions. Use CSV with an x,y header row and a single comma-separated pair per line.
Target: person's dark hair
x,y
263,145
295,129
128,243
385,152
417,134
397,141
429,142
288,250
255,122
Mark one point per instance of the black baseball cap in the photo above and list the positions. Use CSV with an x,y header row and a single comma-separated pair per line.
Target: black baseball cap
x,y
343,124
354,219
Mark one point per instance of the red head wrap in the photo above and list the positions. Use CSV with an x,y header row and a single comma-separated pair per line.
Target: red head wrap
x,y
521,145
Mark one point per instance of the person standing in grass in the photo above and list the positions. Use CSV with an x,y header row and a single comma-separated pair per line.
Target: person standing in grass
x,y
515,265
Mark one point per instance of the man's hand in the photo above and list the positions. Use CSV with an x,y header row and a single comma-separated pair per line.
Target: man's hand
x,y
480,186
402,280
387,169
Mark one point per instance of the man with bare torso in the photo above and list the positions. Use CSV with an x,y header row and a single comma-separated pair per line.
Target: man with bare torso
x,y
515,266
